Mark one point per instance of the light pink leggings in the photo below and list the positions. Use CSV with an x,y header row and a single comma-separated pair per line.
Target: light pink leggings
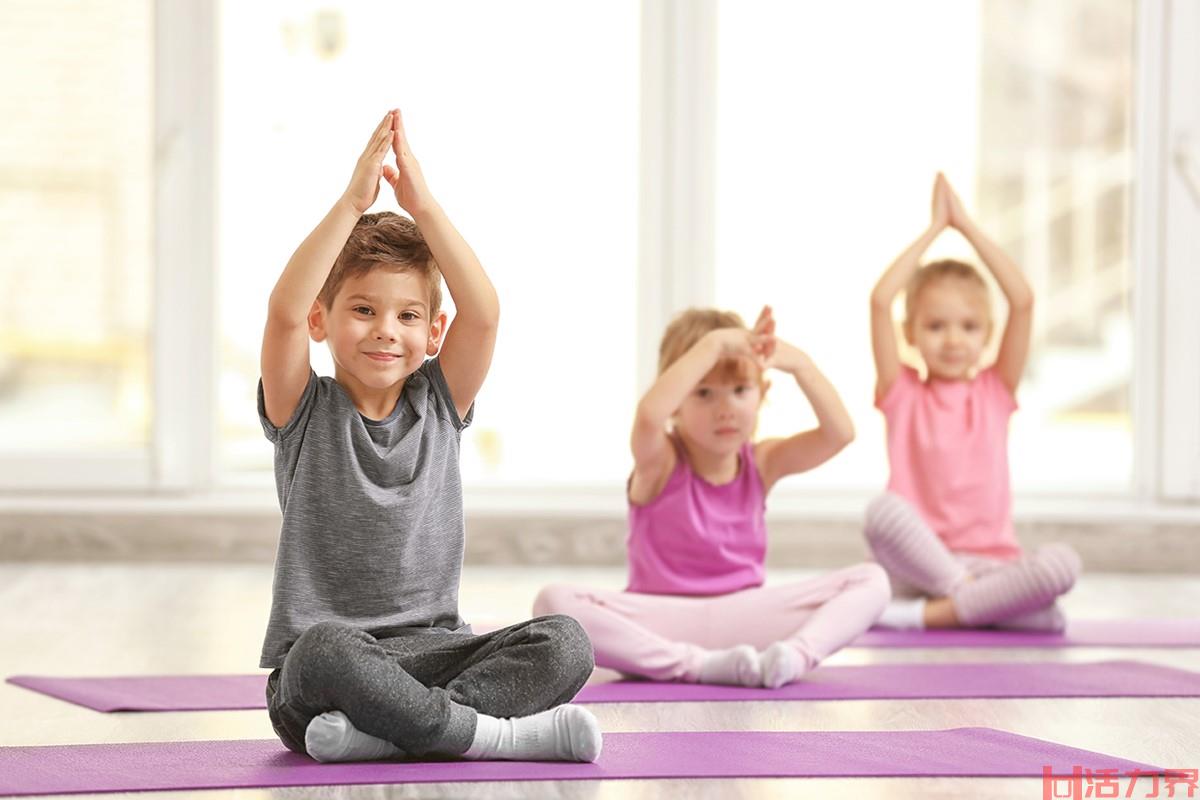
x,y
985,591
664,637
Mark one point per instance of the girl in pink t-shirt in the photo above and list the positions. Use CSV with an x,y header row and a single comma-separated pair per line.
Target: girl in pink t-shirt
x,y
943,530
695,609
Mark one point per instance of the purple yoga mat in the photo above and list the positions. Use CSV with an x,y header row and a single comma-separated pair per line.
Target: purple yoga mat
x,y
154,692
899,681
1079,633
876,681
959,752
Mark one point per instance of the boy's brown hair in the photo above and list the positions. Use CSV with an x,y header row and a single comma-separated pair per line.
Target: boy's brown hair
x,y
947,269
689,327
384,240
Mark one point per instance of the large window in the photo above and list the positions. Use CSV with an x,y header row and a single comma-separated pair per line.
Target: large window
x,y
831,125
610,163
524,118
75,208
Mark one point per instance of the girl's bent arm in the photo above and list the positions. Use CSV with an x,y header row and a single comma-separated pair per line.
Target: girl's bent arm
x,y
803,451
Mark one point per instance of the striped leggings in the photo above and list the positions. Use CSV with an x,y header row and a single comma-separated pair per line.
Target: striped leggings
x,y
984,591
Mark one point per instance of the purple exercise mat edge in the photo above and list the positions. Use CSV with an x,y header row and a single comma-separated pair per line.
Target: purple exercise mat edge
x,y
1151,633
231,764
869,682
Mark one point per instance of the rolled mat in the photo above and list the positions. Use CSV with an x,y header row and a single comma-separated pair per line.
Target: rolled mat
x,y
235,764
870,682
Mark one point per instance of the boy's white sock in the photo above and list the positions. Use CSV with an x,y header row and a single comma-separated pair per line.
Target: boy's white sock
x,y
738,666
903,615
332,737
562,733
782,664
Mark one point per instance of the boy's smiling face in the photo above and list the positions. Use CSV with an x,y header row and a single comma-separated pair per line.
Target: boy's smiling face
x,y
379,328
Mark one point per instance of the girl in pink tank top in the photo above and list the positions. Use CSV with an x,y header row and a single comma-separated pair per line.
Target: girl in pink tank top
x,y
944,528
695,608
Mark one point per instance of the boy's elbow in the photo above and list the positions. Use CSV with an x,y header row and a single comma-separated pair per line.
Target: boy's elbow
x,y
488,315
280,312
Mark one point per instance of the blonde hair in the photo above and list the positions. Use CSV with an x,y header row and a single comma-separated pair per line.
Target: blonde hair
x,y
689,327
384,240
936,272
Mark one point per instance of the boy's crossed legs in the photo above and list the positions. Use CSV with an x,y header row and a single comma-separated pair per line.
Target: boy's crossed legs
x,y
717,639
342,695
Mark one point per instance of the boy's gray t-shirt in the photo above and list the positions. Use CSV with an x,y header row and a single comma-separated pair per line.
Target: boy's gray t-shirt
x,y
373,530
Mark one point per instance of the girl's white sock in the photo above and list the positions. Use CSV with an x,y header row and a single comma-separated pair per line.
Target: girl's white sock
x,y
738,666
782,664
562,733
332,737
903,615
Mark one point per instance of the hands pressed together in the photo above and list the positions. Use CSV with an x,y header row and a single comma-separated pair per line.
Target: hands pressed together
x,y
405,177
947,209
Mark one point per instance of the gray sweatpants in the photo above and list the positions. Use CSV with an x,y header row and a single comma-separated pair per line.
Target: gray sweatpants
x,y
422,691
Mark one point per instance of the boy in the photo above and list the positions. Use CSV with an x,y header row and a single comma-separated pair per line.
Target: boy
x,y
370,658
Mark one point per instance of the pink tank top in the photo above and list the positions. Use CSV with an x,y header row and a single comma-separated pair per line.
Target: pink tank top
x,y
699,539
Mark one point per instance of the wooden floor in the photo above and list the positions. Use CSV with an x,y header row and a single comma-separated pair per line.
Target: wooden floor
x,y
156,619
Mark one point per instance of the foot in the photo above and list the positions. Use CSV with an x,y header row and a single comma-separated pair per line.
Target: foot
x,y
737,666
903,615
1048,619
331,737
563,733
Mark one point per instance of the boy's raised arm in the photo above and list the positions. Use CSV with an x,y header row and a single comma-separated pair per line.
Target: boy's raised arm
x,y
467,351
1014,345
284,357
883,331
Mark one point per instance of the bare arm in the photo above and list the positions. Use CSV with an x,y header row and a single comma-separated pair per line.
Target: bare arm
x,y
803,451
467,352
1014,345
897,276
284,356
653,456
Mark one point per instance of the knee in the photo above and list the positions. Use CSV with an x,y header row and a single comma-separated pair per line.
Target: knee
x,y
880,509
553,599
877,584
569,648
1059,567
321,648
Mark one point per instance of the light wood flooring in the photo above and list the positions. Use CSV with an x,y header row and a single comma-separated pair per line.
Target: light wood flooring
x,y
68,619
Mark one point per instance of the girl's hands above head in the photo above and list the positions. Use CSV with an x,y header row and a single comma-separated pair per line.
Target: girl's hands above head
x,y
406,177
958,214
775,352
788,358
363,190
741,343
764,327
940,207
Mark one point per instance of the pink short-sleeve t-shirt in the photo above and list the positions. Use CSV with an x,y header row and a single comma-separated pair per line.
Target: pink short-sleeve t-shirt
x,y
948,451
